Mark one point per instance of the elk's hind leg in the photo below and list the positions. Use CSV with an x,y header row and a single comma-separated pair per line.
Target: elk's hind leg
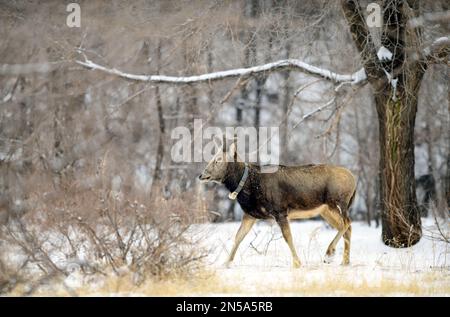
x,y
246,224
287,235
335,218
347,237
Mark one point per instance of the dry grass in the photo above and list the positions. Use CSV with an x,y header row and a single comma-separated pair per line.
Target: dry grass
x,y
339,282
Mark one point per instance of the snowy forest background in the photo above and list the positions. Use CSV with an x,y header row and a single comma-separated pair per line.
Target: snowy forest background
x,y
82,150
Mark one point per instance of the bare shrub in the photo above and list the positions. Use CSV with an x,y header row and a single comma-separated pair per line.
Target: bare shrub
x,y
97,232
441,231
8,277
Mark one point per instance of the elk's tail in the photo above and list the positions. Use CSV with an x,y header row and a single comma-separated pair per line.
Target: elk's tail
x,y
350,202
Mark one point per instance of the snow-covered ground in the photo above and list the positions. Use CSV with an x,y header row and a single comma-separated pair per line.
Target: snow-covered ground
x,y
262,265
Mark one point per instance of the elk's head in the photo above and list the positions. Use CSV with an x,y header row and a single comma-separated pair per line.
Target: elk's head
x,y
216,169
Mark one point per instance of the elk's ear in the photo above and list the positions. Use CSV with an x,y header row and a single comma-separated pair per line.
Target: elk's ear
x,y
217,143
224,143
233,151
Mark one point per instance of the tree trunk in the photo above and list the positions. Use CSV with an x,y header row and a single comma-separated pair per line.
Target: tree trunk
x,y
286,101
396,82
157,176
447,175
400,215
447,181
157,172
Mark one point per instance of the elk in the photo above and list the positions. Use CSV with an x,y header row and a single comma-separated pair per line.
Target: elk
x,y
291,192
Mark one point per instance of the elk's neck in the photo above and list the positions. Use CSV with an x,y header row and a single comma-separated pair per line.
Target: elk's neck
x,y
233,175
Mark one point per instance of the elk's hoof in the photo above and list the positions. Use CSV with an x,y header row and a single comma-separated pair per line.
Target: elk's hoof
x,y
296,264
345,263
328,258
226,265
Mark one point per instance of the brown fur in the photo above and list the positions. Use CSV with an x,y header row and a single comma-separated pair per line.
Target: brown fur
x,y
291,188
292,192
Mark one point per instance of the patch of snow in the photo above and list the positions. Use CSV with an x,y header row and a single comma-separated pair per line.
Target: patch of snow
x,y
263,263
7,97
389,76
394,88
264,256
436,43
384,54
359,76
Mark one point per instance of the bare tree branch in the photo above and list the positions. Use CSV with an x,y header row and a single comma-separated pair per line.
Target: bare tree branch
x,y
363,40
295,64
313,112
438,50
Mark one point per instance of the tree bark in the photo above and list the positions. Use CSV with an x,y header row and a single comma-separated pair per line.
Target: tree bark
x,y
396,82
286,101
447,175
157,175
401,225
160,148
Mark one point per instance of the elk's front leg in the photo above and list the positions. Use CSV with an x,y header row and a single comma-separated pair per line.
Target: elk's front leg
x,y
246,224
286,230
